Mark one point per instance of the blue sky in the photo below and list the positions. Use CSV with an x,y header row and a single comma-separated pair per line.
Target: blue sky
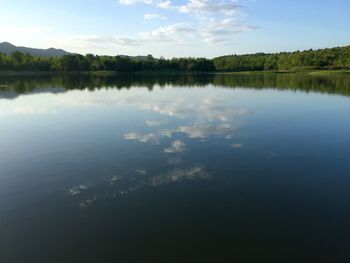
x,y
172,28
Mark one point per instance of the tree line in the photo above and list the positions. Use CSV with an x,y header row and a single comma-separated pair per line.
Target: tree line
x,y
89,62
329,58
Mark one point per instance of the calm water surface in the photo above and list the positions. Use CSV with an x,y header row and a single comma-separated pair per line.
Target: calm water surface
x,y
180,168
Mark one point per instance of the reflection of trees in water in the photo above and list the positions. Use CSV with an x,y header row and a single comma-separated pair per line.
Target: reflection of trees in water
x,y
27,84
335,84
14,85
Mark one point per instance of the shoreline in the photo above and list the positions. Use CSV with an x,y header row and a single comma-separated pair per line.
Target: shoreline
x,y
116,73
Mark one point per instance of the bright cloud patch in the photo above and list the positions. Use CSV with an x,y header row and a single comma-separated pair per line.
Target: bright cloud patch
x,y
156,3
206,7
153,16
186,24
176,147
213,22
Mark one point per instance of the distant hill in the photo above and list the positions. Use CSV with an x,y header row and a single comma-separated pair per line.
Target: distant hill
x,y
8,48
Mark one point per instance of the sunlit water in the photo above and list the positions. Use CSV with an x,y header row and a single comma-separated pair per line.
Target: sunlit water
x,y
175,169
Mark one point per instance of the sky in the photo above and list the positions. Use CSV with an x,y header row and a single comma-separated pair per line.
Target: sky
x,y
176,28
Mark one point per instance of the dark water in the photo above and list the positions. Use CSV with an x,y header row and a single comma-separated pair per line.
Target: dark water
x,y
178,168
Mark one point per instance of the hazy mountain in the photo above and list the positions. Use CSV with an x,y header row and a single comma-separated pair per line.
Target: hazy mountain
x,y
8,48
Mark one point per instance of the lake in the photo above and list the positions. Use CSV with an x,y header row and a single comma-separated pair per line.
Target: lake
x,y
175,168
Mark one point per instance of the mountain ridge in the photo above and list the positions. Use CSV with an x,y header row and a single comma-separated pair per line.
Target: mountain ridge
x,y
8,48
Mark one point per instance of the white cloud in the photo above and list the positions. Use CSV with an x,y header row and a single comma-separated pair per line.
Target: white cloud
x,y
88,202
152,137
166,133
174,33
222,31
199,117
208,22
140,172
153,16
171,34
157,3
197,7
77,189
210,117
206,7
145,138
168,107
102,45
237,145
117,40
176,147
203,131
213,22
150,123
179,175
127,184
164,4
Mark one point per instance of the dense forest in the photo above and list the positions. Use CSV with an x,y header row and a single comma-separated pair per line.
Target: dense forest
x,y
20,61
330,58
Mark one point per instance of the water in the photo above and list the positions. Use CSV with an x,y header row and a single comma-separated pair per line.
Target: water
x,y
178,168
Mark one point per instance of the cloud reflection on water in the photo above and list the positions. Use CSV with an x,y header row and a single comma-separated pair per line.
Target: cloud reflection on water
x,y
171,121
176,147
207,116
117,187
